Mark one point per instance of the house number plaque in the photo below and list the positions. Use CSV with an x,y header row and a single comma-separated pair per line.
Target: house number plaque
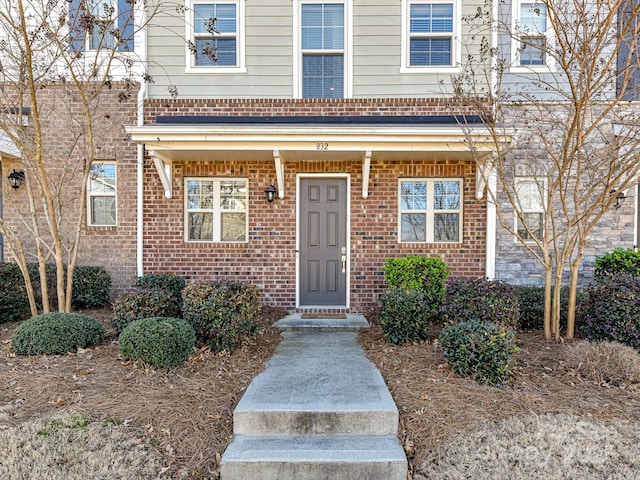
x,y
322,146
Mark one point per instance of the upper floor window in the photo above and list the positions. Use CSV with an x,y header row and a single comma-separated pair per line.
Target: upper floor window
x,y
529,216
216,209
322,49
430,210
101,191
101,25
216,36
532,34
429,34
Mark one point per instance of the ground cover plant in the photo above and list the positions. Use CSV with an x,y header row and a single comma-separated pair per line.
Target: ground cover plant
x,y
178,421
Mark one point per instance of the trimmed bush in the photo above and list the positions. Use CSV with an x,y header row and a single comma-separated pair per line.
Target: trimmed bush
x,y
162,342
91,286
14,303
169,282
611,310
56,333
404,315
620,260
532,306
479,349
480,299
423,274
143,304
221,312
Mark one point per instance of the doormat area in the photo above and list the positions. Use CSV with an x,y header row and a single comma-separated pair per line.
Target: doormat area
x,y
341,316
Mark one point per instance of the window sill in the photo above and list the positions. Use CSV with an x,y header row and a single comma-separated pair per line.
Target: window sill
x,y
435,69
215,70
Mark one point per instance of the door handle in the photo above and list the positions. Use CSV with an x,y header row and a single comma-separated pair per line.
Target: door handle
x,y
344,259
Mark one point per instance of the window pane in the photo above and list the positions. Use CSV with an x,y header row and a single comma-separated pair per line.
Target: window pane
x,y
532,51
534,222
216,52
529,195
103,210
103,178
430,18
323,76
214,18
430,51
200,226
413,227
446,227
234,227
413,195
533,18
322,26
446,195
199,195
233,195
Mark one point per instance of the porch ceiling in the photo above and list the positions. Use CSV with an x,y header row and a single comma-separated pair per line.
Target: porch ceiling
x,y
169,143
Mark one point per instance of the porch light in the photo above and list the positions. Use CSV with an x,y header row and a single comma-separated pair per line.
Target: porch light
x,y
16,178
619,200
270,192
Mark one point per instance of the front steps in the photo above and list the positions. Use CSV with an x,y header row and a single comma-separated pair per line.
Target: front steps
x,y
320,410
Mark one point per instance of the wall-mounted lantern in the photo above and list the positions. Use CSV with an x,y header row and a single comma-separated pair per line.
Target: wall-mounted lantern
x,y
270,192
619,200
16,178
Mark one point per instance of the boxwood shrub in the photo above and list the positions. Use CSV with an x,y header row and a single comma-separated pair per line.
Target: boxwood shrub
x,y
404,315
482,350
532,306
480,299
414,272
91,287
221,312
611,310
158,341
14,303
56,333
143,304
620,260
169,282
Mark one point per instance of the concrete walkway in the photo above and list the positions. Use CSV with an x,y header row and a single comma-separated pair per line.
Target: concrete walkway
x,y
320,410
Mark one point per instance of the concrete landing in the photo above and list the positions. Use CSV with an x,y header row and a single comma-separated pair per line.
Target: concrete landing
x,y
319,410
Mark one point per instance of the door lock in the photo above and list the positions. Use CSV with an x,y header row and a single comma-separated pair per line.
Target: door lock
x,y
344,259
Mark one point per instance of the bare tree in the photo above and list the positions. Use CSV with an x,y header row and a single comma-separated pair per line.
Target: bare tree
x,y
558,77
80,50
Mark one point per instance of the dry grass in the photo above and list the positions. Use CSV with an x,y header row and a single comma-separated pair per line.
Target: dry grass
x,y
605,362
181,419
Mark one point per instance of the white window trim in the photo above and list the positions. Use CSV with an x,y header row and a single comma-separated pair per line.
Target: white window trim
x,y
113,20
515,42
456,44
430,212
91,194
216,211
190,66
348,45
542,182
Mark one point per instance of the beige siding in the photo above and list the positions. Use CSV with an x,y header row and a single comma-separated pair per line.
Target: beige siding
x,y
269,58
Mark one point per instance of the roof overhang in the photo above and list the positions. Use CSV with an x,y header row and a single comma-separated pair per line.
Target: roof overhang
x,y
168,143
7,147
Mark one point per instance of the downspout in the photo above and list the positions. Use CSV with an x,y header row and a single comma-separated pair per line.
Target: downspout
x,y
491,225
142,95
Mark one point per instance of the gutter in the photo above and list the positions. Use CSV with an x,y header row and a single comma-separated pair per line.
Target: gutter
x,y
142,95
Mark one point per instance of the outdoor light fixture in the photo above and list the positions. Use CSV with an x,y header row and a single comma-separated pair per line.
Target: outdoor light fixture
x,y
16,179
620,198
270,192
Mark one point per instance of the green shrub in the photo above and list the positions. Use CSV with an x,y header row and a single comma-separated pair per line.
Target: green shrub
x,y
169,282
611,310
620,260
56,333
404,315
14,303
91,287
143,304
423,274
532,306
162,342
221,312
480,299
479,349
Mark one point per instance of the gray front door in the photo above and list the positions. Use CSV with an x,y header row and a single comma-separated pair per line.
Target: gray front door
x,y
323,242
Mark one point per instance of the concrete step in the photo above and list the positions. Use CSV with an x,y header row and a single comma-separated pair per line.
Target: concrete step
x,y
314,385
314,457
298,321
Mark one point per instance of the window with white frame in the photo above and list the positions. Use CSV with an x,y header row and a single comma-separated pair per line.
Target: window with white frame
x,y
101,34
101,191
429,34
216,209
532,27
322,49
529,217
216,34
430,210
